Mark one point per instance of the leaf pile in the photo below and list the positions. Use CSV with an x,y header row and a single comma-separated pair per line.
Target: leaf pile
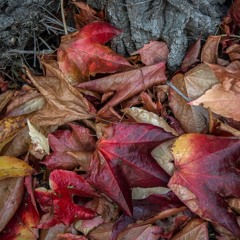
x,y
106,147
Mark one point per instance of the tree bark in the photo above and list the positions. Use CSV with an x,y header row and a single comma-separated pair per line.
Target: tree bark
x,y
175,22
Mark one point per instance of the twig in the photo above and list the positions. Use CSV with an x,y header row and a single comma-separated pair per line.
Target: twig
x,y
177,90
63,18
14,51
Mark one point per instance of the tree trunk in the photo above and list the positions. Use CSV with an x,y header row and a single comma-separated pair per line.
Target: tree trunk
x,y
175,22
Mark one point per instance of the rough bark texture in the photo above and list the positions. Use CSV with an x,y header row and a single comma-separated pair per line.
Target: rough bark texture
x,y
173,21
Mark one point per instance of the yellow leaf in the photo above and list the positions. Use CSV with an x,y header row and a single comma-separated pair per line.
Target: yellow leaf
x,y
13,167
9,127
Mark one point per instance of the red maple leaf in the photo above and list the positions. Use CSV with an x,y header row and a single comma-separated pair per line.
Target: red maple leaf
x,y
123,160
207,171
58,201
64,142
83,54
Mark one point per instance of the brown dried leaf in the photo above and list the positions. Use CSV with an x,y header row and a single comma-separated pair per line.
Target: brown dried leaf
x,y
210,50
127,84
196,229
5,98
153,52
220,101
9,127
11,191
64,102
25,102
193,84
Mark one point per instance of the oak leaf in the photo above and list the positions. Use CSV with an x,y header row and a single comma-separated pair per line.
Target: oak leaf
x,y
83,54
66,143
207,171
123,160
127,84
58,201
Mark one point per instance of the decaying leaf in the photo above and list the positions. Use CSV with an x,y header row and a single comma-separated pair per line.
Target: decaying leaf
x,y
25,101
9,127
58,202
207,171
13,167
123,160
66,146
64,103
192,56
163,155
196,229
11,191
153,52
220,101
83,54
127,84
210,50
39,141
23,225
192,84
143,116
5,98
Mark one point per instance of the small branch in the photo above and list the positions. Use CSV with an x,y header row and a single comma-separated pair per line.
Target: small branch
x,y
177,91
63,19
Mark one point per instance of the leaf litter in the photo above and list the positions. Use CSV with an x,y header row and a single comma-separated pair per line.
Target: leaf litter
x,y
107,135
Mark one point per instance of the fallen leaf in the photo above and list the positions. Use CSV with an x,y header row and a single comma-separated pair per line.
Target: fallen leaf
x,y
143,116
233,52
23,225
230,73
58,203
163,155
192,84
69,143
122,160
64,103
9,127
86,15
192,55
25,101
153,52
103,231
69,236
196,229
210,50
207,172
220,101
39,141
127,84
141,193
148,232
234,12
86,226
11,191
5,98
84,55
13,167
234,204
